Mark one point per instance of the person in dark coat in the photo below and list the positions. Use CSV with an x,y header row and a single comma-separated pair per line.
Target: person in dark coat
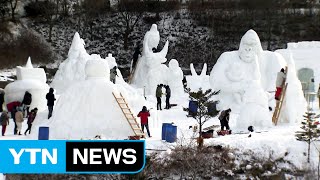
x,y
13,115
1,99
50,101
113,74
135,57
224,119
168,95
158,95
4,119
27,99
144,114
184,82
31,117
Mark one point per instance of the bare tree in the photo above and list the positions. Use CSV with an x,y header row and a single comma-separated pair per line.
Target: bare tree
x,y
13,6
130,12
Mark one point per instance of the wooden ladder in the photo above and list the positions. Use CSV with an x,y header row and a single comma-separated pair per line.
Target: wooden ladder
x,y
277,110
129,115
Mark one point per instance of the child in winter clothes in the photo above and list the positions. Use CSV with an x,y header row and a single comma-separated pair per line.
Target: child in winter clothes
x,y
144,114
19,120
31,117
4,118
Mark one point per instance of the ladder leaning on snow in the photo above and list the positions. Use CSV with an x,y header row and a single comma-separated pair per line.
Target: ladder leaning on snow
x,y
277,110
129,115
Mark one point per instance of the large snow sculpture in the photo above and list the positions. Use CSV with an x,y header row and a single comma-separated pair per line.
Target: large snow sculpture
x,y
72,69
88,108
294,104
149,70
237,75
28,79
195,81
175,77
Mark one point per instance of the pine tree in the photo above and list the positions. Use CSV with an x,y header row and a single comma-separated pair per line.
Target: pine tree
x,y
309,132
203,114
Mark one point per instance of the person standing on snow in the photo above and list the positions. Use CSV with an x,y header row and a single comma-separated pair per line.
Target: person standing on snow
x,y
13,115
4,118
135,57
50,101
281,77
1,99
27,99
168,95
31,117
224,119
144,114
158,95
113,74
19,119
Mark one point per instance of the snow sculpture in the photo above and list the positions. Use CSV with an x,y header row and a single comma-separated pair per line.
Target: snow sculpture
x,y
237,75
149,70
294,104
28,79
111,61
88,108
72,69
195,81
175,77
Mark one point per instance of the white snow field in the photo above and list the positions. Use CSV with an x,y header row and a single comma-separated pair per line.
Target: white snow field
x,y
86,106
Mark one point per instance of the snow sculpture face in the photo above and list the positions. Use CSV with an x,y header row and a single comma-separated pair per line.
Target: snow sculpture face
x,y
97,69
250,46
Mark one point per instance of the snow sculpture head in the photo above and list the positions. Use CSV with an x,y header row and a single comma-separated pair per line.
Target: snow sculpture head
x,y
77,46
97,69
151,40
173,64
250,46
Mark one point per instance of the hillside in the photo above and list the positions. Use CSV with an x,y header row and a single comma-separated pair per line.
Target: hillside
x,y
195,35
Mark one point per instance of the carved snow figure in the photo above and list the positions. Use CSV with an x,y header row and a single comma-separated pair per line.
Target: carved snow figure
x,y
175,77
237,75
294,103
195,81
72,69
150,71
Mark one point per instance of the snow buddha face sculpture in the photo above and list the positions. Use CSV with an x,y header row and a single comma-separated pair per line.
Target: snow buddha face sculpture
x,y
250,46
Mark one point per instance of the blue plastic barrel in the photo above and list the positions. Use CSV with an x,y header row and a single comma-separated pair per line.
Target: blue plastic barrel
x,y
171,135
43,133
193,107
164,130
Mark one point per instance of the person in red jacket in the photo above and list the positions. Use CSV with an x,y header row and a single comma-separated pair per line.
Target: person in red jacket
x,y
144,114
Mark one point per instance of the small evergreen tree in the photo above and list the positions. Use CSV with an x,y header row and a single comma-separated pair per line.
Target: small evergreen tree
x,y
309,132
203,113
